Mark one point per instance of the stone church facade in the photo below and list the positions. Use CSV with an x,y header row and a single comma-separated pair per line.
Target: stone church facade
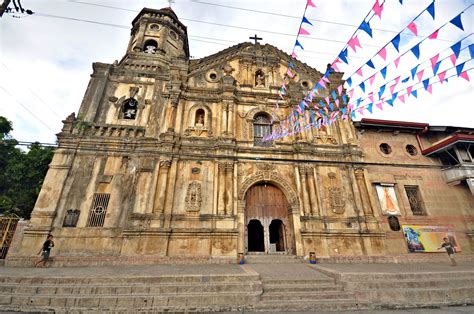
x,y
165,158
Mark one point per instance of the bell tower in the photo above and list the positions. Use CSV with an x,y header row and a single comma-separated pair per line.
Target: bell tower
x,y
160,33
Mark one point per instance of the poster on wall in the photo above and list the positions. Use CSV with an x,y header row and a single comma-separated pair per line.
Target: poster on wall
x,y
428,238
388,199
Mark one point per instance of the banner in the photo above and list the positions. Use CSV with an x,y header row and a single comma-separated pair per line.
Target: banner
x,y
423,239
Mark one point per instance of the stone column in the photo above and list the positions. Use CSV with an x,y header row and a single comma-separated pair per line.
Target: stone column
x,y
224,119
241,226
230,117
304,190
364,193
221,189
160,192
172,116
229,191
312,193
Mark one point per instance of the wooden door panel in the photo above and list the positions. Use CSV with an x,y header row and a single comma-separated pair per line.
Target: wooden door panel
x,y
266,201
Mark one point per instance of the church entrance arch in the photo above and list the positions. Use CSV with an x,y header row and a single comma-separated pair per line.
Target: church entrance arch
x,y
267,207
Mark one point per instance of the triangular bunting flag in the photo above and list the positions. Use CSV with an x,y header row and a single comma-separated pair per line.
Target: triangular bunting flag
x,y
381,91
406,79
383,53
465,76
401,98
457,21
291,65
471,50
434,35
371,97
459,68
339,90
441,76
353,43
413,72
362,86
431,9
390,102
430,88
310,4
303,31
397,80
384,72
416,51
379,105
434,60
289,73
401,1
419,75
377,8
359,72
409,90
351,93
392,88
371,79
426,83
333,94
412,27
365,26
370,64
456,48
293,55
436,67
415,93
344,99
396,42
305,20
297,43
397,60
343,56
349,82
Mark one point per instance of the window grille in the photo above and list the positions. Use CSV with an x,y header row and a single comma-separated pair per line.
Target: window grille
x,y
71,218
98,210
414,198
261,128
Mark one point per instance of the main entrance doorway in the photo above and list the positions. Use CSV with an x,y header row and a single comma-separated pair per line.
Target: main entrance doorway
x,y
268,227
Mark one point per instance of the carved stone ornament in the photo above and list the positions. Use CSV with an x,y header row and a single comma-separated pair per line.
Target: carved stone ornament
x,y
193,198
336,195
265,166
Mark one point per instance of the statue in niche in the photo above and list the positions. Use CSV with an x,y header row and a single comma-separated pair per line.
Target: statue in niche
x,y
336,198
199,121
193,198
259,79
130,105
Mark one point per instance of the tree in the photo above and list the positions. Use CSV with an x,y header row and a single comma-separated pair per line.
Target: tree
x,y
21,173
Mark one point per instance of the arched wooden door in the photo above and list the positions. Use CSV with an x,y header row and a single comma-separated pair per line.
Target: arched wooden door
x,y
266,203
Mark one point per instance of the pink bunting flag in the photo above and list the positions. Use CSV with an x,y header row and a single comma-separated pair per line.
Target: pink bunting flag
x,y
361,111
430,88
371,97
397,60
383,53
351,93
316,92
339,90
453,58
392,88
402,98
359,72
409,89
412,27
354,43
289,73
327,99
441,76
293,55
434,35
419,75
337,102
303,32
335,67
321,82
464,75
326,79
379,105
371,79
377,8
397,80
434,60
310,4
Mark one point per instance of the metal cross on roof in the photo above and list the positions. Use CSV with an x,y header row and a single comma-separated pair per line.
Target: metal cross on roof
x,y
256,38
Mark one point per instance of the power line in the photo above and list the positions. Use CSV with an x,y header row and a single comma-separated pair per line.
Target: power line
x,y
26,108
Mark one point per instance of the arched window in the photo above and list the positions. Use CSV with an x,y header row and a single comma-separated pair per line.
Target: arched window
x,y
199,117
150,46
71,218
129,108
262,127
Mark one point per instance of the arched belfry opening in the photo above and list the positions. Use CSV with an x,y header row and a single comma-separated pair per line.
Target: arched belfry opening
x,y
266,215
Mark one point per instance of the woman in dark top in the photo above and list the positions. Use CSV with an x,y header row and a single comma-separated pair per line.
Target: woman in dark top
x,y
45,250
449,249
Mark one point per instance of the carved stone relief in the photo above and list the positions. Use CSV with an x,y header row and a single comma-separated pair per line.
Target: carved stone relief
x,y
193,198
336,195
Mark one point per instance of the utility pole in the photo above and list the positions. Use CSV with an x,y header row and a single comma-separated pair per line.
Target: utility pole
x,y
4,6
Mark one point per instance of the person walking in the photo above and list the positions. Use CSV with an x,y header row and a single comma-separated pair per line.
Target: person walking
x,y
45,251
449,249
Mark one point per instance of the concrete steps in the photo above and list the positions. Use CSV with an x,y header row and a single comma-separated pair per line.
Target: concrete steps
x,y
162,293
273,259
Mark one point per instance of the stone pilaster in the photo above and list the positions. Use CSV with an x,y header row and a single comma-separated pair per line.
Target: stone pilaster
x,y
172,115
364,193
229,172
160,192
221,189
304,190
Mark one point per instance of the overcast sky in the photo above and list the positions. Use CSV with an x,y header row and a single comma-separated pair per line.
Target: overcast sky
x,y
46,61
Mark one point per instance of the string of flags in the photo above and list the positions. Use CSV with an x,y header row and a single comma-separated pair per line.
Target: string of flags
x,y
318,109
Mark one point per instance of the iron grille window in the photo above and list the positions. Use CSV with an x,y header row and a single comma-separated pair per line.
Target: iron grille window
x,y
71,218
414,198
261,128
98,210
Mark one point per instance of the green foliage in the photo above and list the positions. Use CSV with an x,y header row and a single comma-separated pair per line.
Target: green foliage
x,y
21,173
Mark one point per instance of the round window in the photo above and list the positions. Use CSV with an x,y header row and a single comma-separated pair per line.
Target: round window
x,y
213,76
385,148
411,150
154,27
305,84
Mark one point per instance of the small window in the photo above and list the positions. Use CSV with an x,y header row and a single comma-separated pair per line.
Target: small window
x,y
154,27
305,84
150,46
213,76
98,210
385,148
261,127
199,118
414,198
71,218
173,35
411,150
393,223
129,109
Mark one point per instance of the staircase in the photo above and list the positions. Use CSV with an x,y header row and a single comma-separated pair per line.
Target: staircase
x,y
272,259
150,293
